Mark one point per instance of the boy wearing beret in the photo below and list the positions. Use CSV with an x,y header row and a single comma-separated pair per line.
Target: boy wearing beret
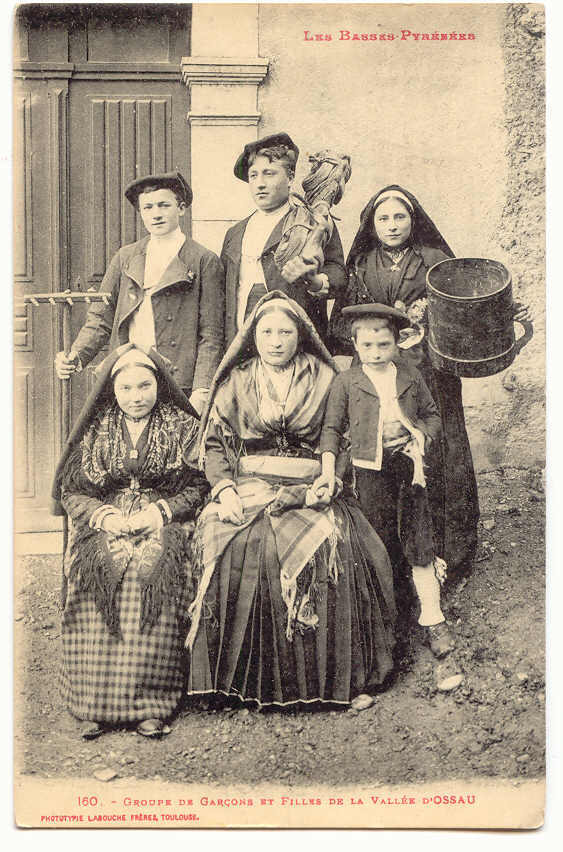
x,y
165,291
268,167
392,420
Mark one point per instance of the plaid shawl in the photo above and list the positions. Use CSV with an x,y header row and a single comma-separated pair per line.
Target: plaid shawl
x,y
298,532
244,404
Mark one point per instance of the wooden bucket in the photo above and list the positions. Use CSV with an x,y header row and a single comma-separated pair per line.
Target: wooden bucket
x,y
471,317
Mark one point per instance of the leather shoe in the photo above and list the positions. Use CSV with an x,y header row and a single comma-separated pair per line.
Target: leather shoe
x,y
362,701
154,728
92,730
440,639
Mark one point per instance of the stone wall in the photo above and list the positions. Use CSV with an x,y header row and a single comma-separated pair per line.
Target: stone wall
x,y
506,413
460,124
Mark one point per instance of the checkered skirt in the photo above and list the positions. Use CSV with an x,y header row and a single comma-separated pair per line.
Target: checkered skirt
x,y
128,679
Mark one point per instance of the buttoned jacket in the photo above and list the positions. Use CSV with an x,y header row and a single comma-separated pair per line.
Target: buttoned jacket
x,y
353,404
188,306
316,308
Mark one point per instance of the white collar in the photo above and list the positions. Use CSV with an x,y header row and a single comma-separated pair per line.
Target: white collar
x,y
167,242
272,214
389,371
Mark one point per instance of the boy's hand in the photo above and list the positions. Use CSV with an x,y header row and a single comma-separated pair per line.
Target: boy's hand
x,y
66,365
315,499
230,507
324,481
297,268
319,286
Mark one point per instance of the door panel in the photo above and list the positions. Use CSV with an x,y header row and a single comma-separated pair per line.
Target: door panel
x,y
118,133
99,101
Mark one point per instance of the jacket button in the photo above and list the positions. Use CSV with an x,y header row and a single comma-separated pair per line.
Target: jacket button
x,y
172,343
169,317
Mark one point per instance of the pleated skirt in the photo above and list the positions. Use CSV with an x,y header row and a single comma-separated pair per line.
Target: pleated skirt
x,y
242,647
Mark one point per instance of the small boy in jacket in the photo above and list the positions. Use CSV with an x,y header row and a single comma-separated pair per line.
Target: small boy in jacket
x,y
392,420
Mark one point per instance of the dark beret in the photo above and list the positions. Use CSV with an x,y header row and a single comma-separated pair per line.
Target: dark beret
x,y
241,165
168,180
374,309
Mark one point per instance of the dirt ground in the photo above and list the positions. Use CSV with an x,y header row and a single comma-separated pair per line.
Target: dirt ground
x,y
491,725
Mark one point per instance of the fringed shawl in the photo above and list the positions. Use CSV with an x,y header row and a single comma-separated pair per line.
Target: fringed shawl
x,y
172,434
245,410
233,399
95,464
101,397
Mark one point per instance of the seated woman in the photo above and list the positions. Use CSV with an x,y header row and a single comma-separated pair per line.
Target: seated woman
x,y
295,602
392,251
126,482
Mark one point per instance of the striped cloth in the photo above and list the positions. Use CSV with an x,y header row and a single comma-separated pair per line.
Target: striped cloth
x,y
298,534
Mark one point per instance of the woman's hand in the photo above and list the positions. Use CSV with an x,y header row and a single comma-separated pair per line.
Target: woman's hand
x,y
521,312
230,507
116,524
147,521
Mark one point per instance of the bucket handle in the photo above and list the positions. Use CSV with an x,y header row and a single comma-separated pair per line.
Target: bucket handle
x,y
528,327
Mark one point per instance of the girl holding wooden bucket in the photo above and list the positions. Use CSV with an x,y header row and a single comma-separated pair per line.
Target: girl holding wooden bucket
x,y
395,246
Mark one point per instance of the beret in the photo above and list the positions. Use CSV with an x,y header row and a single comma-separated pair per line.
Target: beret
x,y
374,309
167,180
241,165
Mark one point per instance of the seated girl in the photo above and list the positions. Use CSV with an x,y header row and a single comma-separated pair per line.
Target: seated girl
x,y
126,482
295,601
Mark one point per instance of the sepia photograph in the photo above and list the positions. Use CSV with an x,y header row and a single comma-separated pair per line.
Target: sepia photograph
x,y
279,415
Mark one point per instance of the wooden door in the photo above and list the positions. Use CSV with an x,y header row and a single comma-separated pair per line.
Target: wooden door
x,y
99,101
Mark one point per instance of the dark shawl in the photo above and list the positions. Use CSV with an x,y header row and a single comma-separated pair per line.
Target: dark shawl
x,y
424,233
102,394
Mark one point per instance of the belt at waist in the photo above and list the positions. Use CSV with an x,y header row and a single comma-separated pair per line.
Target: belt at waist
x,y
282,467
278,445
394,434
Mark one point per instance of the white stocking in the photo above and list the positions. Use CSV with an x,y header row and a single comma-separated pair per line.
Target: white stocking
x,y
428,591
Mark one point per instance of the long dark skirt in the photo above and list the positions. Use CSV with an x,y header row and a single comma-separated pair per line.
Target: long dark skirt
x,y
450,477
242,648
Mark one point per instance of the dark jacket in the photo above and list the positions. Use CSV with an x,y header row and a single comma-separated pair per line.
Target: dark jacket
x,y
315,308
188,307
353,404
409,286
